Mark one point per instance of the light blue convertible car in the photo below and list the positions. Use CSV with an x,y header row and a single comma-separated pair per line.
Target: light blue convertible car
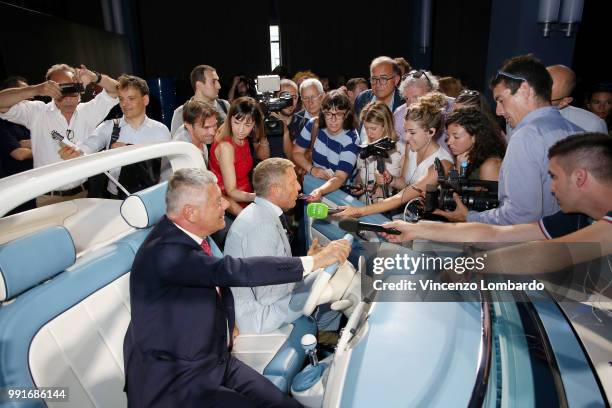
x,y
64,276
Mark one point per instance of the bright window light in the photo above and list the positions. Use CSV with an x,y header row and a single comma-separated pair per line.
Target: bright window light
x,y
275,56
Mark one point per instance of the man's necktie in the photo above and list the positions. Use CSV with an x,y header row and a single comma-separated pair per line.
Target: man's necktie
x,y
283,220
206,247
208,251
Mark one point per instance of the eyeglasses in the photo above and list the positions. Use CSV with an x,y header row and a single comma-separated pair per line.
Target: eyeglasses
x,y
418,74
381,80
334,115
511,76
285,94
310,98
70,135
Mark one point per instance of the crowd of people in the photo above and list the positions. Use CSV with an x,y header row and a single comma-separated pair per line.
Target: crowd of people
x,y
427,116
552,161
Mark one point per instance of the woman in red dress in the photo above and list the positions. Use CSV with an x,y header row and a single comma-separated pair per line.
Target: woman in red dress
x,y
230,155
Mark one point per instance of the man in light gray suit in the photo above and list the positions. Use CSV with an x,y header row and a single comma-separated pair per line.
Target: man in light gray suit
x,y
259,231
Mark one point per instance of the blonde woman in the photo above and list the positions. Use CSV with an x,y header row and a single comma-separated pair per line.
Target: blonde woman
x,y
423,124
377,121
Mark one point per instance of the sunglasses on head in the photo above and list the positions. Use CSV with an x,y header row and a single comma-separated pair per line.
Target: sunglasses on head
x,y
511,76
468,94
418,73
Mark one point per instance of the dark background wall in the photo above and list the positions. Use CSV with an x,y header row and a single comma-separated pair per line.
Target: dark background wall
x,y
232,38
515,31
460,38
343,38
33,41
469,38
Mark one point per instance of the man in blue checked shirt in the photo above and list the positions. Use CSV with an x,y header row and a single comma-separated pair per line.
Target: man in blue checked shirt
x,y
522,91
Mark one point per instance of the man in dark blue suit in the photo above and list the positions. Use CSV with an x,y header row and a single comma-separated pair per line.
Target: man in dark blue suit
x,y
177,347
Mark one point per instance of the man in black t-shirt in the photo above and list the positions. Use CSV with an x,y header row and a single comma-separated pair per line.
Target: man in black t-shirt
x,y
15,145
581,170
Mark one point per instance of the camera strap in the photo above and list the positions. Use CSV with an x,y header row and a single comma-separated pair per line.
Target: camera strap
x,y
222,105
115,133
314,132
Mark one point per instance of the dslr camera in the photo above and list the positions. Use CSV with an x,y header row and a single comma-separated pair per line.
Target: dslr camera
x,y
477,195
267,86
379,148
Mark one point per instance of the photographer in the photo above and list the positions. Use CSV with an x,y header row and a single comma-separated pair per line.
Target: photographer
x,y
64,114
291,121
424,121
581,171
473,139
522,90
277,99
378,122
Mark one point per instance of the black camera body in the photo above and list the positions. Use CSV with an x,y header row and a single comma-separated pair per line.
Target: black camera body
x,y
273,126
477,195
71,88
379,148
267,86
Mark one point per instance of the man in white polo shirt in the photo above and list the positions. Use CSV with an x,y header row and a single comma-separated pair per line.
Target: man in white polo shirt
x,y
64,114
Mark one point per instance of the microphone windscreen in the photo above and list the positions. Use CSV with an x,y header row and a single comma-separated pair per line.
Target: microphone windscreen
x,y
317,211
349,225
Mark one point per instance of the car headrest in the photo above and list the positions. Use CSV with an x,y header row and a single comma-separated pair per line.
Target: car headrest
x,y
29,260
144,208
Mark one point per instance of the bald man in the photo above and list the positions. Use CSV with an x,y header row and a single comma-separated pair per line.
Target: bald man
x,y
564,81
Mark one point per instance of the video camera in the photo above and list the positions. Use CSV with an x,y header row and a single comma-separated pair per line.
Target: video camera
x,y
267,86
477,195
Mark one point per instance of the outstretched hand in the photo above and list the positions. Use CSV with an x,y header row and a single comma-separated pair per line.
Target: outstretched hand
x,y
85,76
320,173
49,88
348,212
407,229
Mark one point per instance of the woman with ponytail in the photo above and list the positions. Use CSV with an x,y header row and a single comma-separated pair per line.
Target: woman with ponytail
x,y
423,124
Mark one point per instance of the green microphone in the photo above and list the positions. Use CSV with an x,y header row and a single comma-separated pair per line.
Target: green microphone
x,y
320,211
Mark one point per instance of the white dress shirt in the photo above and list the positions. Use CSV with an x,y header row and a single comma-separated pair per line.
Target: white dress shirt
x,y
150,131
42,118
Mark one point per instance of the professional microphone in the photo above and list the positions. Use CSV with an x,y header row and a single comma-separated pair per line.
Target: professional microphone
x,y
352,225
320,211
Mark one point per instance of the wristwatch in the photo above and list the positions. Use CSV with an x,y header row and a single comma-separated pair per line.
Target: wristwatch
x,y
98,77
